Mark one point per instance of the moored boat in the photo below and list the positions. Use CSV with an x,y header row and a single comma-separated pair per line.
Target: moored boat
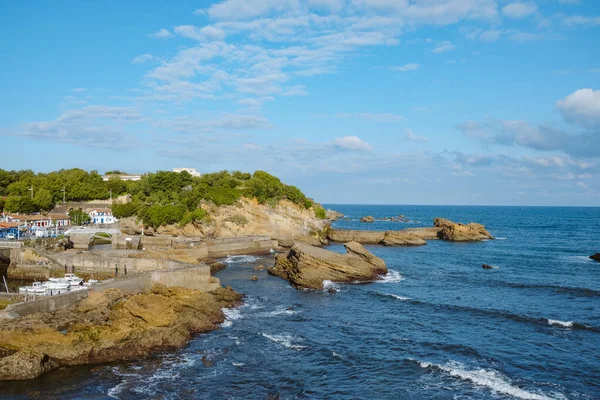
x,y
35,288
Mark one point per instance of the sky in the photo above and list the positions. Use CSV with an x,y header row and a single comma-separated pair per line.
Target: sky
x,y
469,102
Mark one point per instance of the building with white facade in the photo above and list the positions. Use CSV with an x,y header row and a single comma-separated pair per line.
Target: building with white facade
x,y
102,217
191,171
123,177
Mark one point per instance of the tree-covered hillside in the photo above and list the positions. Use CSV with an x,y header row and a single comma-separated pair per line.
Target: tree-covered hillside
x,y
158,198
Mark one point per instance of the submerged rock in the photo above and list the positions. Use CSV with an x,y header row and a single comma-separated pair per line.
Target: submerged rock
x,y
367,219
254,278
596,257
486,266
308,266
457,232
107,327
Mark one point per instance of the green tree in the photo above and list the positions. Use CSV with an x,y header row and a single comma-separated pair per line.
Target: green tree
x,y
43,200
1,204
20,204
79,217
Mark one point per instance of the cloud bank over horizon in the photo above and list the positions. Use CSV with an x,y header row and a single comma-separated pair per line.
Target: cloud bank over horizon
x,y
355,101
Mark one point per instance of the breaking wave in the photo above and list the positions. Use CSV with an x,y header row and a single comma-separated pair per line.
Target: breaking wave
x,y
285,341
488,378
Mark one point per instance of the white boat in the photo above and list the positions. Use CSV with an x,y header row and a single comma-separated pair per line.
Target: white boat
x,y
57,285
36,288
91,282
70,278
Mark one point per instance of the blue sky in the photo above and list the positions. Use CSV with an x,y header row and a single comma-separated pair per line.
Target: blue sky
x,y
354,101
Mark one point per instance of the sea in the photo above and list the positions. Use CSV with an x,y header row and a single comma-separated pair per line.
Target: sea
x,y
437,326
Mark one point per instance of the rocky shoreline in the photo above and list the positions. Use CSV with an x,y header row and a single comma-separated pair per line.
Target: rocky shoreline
x,y
109,326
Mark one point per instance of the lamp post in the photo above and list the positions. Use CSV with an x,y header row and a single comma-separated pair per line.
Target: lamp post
x,y
31,190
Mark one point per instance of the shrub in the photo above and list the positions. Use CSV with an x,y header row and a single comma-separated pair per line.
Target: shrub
x,y
124,210
197,215
238,219
320,212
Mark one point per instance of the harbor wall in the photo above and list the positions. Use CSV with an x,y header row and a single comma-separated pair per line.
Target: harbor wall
x,y
196,277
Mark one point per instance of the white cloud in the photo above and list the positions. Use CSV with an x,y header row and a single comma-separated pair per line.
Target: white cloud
x,y
406,67
524,37
519,9
582,107
141,59
206,33
350,143
79,89
162,34
443,47
410,135
575,20
490,36
91,126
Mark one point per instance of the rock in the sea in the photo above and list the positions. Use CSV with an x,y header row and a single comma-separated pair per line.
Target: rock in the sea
x,y
486,266
333,215
596,257
254,278
259,268
401,238
308,266
367,219
347,235
457,232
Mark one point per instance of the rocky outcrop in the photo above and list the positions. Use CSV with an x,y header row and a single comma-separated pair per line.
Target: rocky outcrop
x,y
333,215
486,266
400,238
368,219
307,266
596,257
457,232
364,237
107,327
442,229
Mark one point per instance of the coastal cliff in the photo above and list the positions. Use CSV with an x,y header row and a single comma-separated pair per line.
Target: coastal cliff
x,y
109,326
285,221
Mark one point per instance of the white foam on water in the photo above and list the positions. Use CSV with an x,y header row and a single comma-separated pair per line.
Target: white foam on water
x,y
285,341
567,324
279,312
114,392
238,364
391,277
489,378
336,355
330,285
231,314
398,297
501,238
240,259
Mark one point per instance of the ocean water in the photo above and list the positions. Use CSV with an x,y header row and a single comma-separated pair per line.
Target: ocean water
x,y
438,326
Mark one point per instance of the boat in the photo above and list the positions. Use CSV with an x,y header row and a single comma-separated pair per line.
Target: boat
x,y
72,279
77,288
91,282
36,288
57,285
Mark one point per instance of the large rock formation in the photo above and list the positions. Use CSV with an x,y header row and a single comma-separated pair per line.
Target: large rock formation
x,y
364,237
368,219
457,232
308,266
442,229
107,327
596,257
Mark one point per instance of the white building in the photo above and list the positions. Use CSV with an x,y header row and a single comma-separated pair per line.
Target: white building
x,y
102,217
191,171
123,177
